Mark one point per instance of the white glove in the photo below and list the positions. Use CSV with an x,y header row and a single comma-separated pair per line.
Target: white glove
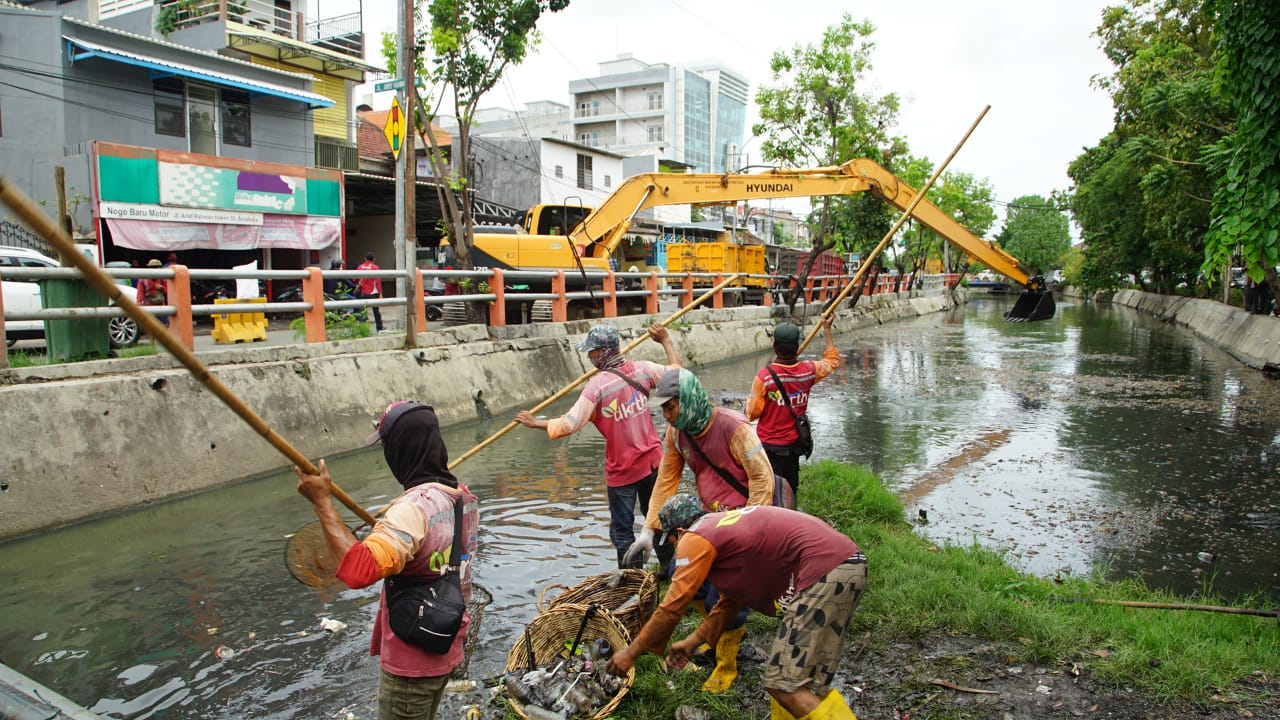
x,y
638,554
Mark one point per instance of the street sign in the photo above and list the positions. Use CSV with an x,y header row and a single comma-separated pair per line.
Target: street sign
x,y
396,129
385,85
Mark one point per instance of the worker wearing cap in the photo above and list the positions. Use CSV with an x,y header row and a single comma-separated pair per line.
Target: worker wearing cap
x,y
776,414
730,470
616,401
762,558
413,539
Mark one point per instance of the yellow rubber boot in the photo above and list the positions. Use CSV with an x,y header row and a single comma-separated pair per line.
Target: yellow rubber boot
x,y
832,707
777,712
726,670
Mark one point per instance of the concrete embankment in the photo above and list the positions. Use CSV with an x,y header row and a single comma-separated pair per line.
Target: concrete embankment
x,y
1252,339
87,439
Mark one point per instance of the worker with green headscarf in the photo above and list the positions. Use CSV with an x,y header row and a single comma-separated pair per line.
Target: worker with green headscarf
x,y
730,470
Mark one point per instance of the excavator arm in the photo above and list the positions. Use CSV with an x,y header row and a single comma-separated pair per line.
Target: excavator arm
x,y
599,234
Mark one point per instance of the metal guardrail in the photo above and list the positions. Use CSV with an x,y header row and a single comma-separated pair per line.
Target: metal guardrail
x,y
182,311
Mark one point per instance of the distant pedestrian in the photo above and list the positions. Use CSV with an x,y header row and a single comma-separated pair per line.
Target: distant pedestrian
x,y
780,393
153,291
337,287
370,288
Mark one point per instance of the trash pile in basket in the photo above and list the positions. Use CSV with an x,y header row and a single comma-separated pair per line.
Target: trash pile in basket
x,y
574,687
557,669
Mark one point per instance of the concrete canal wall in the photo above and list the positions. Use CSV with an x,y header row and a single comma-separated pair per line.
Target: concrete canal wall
x,y
1252,339
86,439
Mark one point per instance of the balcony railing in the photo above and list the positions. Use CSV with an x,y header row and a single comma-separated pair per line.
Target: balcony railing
x,y
331,153
343,34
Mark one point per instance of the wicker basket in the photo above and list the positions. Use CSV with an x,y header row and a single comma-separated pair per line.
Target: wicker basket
x,y
632,600
552,629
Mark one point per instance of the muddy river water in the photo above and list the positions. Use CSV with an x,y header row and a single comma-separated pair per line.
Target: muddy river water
x,y
1101,441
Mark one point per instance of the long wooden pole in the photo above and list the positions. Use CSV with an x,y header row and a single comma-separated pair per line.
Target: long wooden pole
x,y
102,282
1174,606
587,375
902,218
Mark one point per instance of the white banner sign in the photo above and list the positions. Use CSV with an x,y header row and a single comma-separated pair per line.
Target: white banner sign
x,y
133,211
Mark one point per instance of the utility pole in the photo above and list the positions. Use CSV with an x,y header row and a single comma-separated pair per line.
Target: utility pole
x,y
406,240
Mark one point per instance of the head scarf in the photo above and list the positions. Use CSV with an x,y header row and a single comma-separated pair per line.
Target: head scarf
x,y
415,451
695,407
607,358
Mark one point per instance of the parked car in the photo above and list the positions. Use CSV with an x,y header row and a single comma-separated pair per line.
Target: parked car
x,y
24,296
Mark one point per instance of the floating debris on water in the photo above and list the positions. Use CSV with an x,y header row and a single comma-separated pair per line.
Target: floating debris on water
x,y
332,625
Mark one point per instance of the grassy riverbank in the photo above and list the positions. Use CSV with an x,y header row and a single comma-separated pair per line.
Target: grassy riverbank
x,y
955,632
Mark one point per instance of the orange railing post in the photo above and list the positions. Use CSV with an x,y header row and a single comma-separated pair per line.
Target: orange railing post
x,y
313,292
419,301
610,295
717,300
179,295
651,302
686,298
559,306
498,308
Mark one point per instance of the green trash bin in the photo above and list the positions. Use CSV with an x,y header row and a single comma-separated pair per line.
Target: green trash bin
x,y
73,340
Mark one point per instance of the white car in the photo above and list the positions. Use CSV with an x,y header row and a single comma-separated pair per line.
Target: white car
x,y
24,296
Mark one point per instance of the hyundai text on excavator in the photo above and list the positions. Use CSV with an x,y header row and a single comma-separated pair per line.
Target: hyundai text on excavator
x,y
579,240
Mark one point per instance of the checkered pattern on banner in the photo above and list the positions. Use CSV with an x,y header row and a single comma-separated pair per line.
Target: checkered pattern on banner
x,y
190,185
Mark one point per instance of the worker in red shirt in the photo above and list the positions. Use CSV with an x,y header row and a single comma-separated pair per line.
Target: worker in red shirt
x,y
780,393
371,287
770,559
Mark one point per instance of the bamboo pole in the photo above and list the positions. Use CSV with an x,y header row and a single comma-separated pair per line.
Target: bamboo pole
x,y
1174,606
902,218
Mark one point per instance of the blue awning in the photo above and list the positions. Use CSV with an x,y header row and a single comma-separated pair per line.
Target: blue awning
x,y
78,49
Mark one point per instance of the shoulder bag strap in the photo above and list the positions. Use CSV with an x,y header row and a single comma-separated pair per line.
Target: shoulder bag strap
x,y
455,555
731,480
630,381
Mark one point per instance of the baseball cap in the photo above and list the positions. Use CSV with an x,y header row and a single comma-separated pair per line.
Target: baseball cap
x,y
668,387
599,338
394,412
786,334
153,263
678,513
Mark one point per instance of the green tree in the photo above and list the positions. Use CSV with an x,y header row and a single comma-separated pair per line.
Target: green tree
x,y
469,44
1246,199
968,200
820,111
1036,232
1166,114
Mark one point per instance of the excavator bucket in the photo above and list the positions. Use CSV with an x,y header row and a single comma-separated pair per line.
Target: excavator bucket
x,y
1032,305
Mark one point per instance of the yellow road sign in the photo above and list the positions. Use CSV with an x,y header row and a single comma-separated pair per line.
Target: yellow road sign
x,y
396,129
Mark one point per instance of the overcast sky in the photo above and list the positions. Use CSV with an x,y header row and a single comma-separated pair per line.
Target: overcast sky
x,y
1031,60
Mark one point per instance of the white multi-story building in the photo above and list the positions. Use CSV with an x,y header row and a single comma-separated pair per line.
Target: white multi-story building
x,y
694,114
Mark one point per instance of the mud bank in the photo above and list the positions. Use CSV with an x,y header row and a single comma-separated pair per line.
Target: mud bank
x,y
87,439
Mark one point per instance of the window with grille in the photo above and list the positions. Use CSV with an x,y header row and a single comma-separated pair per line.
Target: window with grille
x,y
584,172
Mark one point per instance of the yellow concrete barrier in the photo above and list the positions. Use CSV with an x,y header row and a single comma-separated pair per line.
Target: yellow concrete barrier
x,y
231,328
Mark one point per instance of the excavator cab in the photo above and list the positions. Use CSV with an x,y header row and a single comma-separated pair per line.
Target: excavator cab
x,y
1035,303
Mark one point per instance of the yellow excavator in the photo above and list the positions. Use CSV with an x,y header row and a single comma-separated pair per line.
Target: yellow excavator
x,y
575,238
